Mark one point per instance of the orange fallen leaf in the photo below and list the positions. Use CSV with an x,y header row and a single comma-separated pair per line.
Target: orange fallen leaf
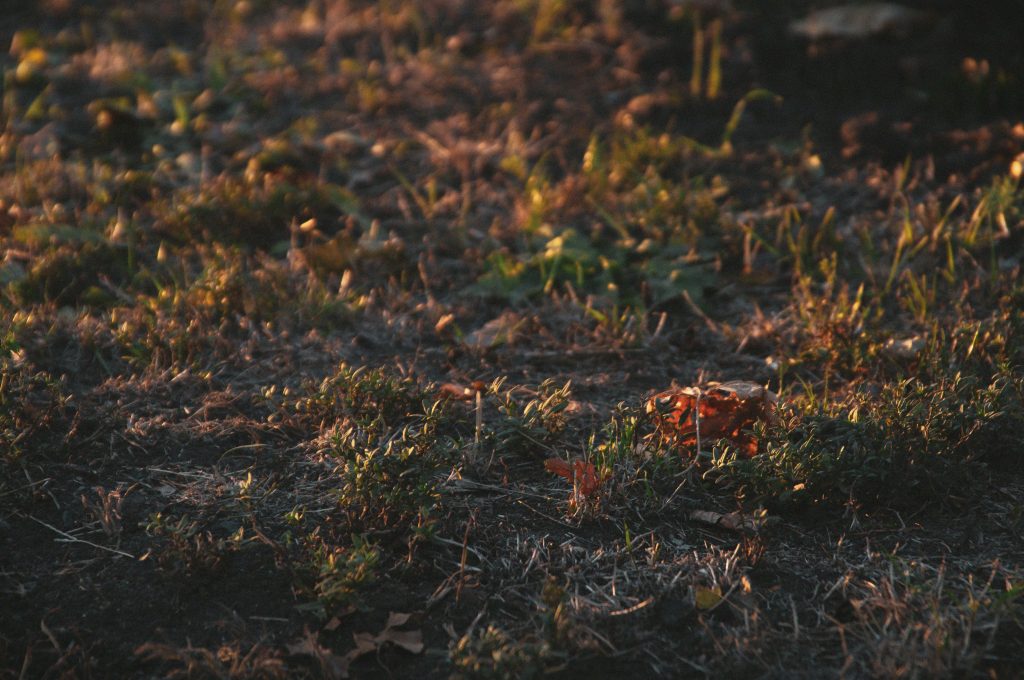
x,y
455,391
460,392
719,411
582,474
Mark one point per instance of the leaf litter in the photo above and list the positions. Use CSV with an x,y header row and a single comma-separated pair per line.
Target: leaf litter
x,y
689,417
336,667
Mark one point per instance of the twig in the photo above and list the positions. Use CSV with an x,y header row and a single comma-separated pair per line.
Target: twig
x,y
696,419
25,663
686,478
465,550
467,485
635,608
659,327
53,638
479,430
545,516
115,290
708,321
22,488
71,539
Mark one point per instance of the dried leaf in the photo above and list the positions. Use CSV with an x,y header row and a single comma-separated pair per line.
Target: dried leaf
x,y
557,466
332,666
718,411
857,21
733,521
332,255
365,643
409,640
905,348
372,242
396,619
706,516
455,391
582,474
499,331
342,142
707,598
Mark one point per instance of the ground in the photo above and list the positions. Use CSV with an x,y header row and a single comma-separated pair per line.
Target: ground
x,y
301,299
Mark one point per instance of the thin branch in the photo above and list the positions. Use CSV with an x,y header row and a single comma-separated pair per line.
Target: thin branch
x,y
71,539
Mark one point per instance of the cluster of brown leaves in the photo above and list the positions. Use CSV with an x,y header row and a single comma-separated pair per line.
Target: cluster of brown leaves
x,y
335,667
683,418
687,416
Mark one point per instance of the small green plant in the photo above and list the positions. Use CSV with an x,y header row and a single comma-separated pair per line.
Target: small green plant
x,y
644,252
254,210
30,401
620,272
630,460
188,549
227,661
339,573
361,396
529,424
425,529
915,440
105,509
836,323
492,654
998,206
389,473
73,275
618,440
